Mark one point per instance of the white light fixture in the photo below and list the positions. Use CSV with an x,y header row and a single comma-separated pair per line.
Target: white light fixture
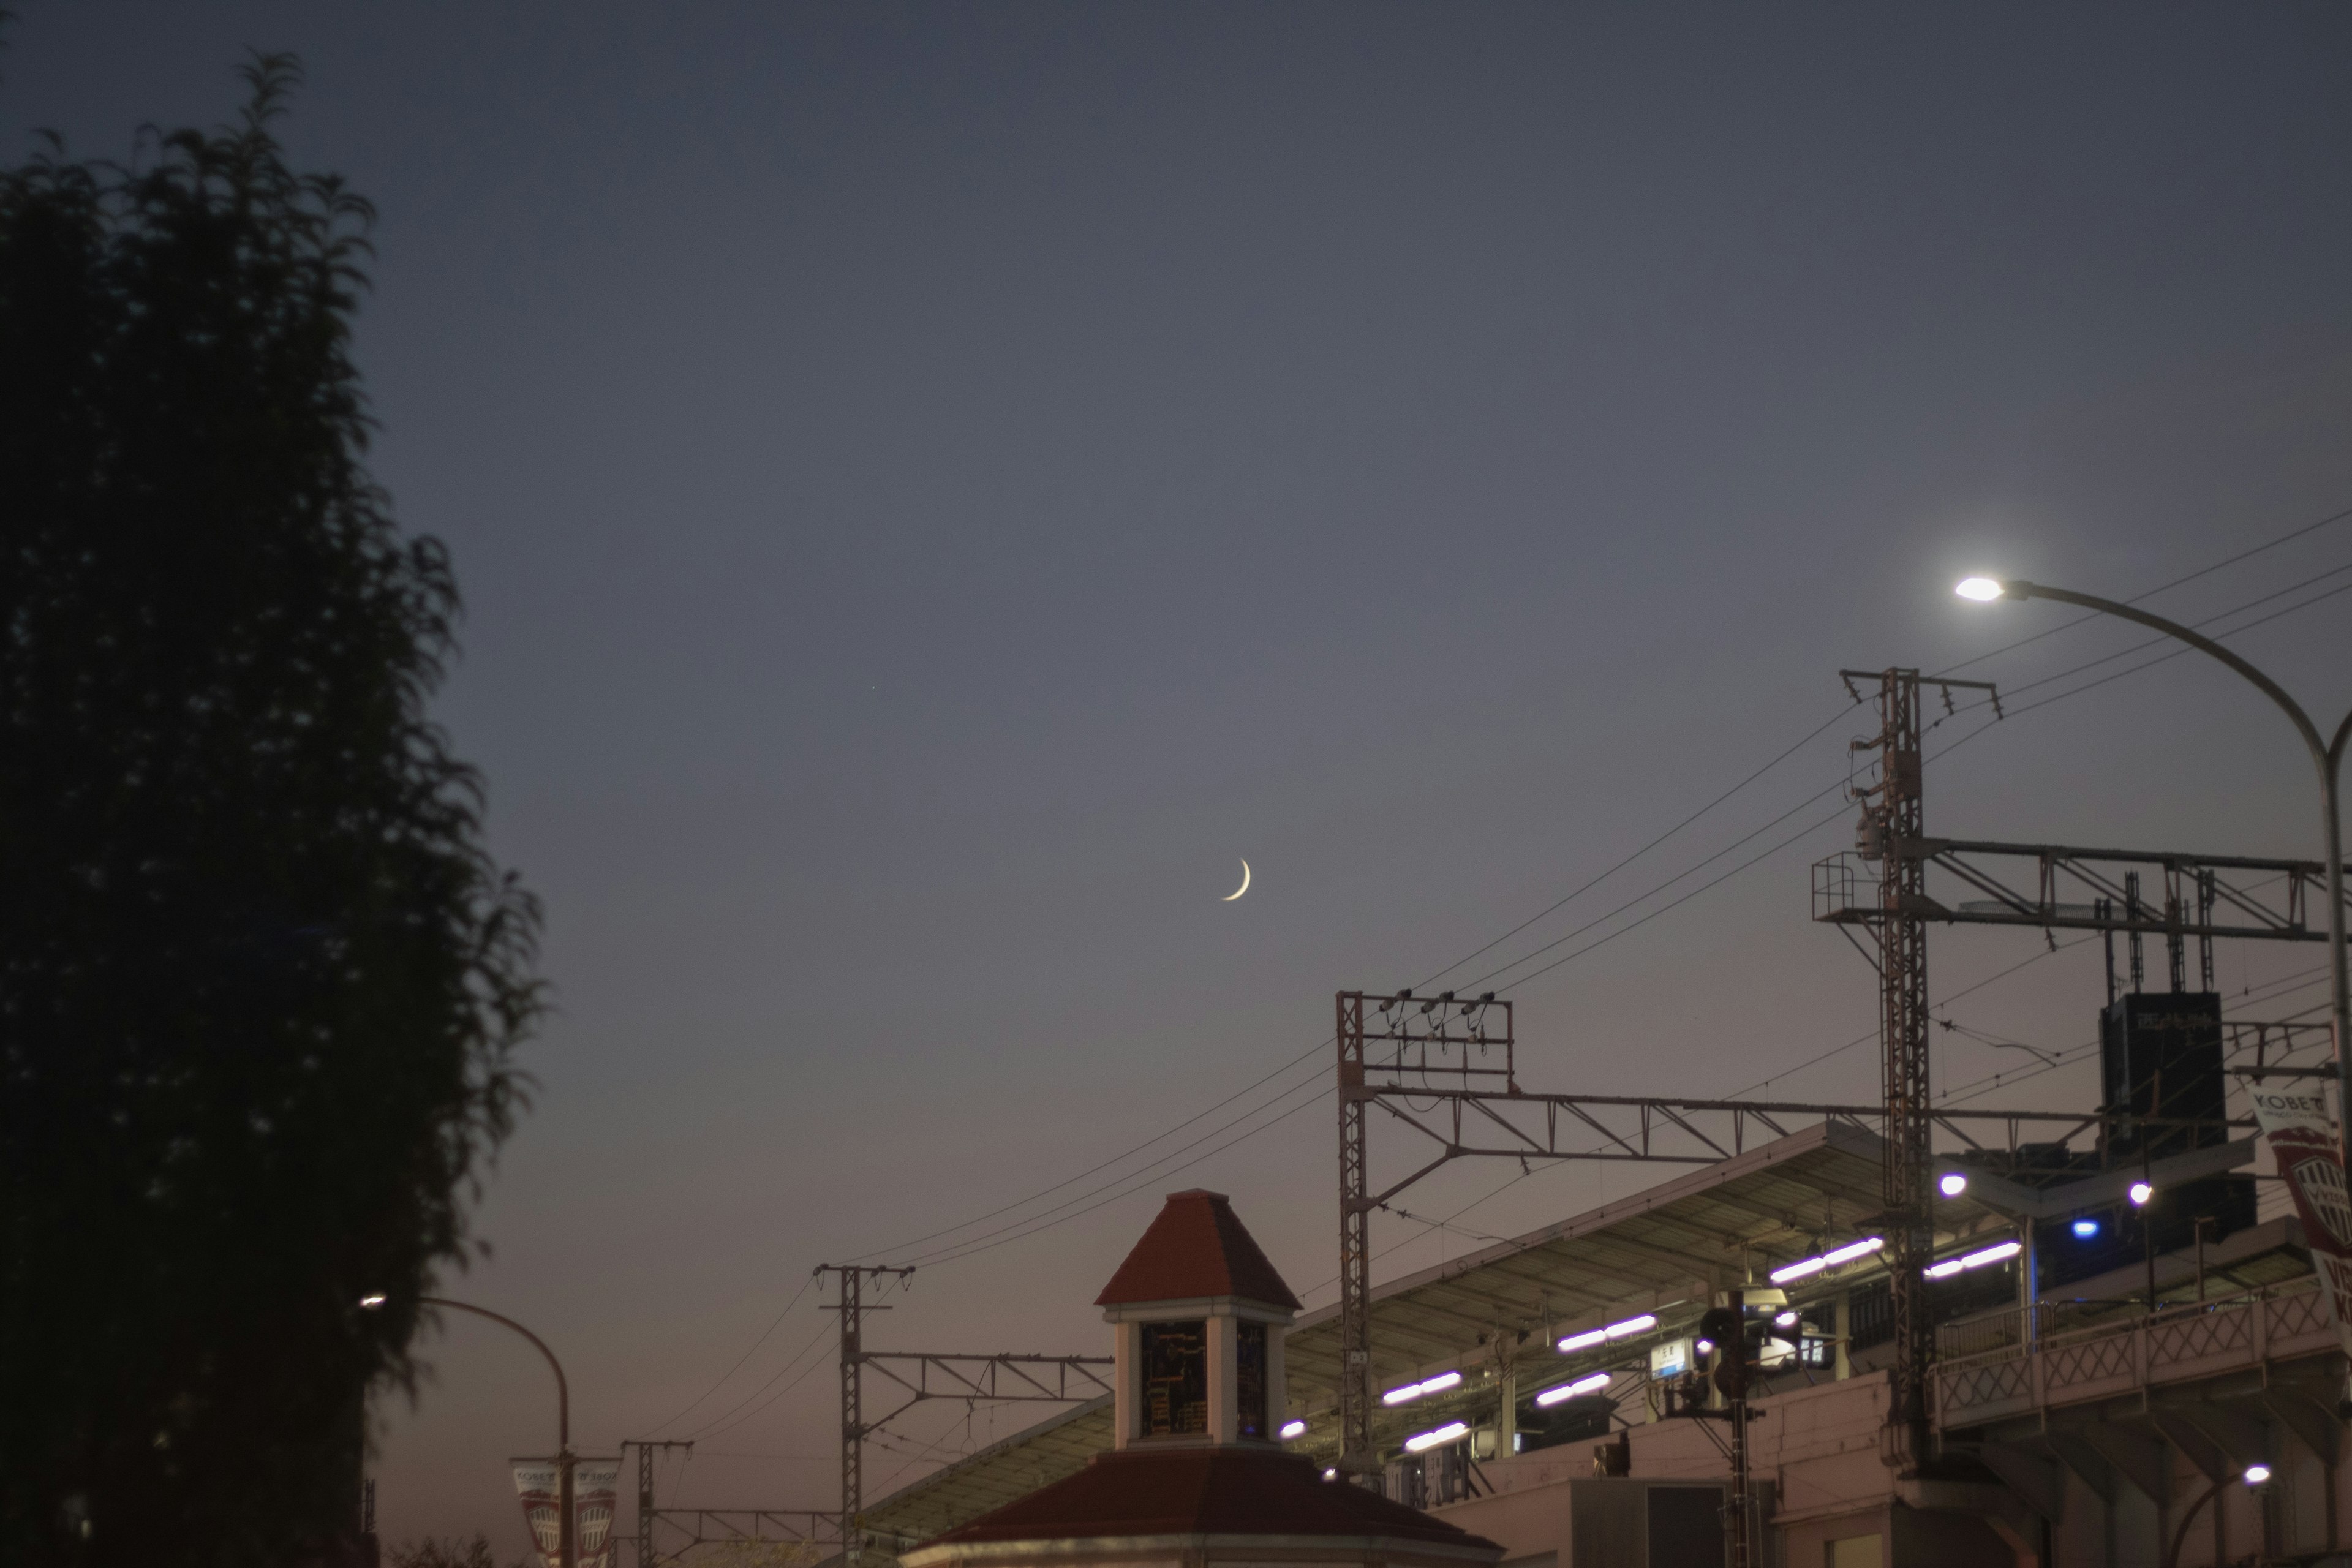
x,y
2141,1193
1786,1319
1952,1183
1293,1429
1951,1266
1452,1432
1983,590
1582,1386
1846,1254
1331,1475
1704,1347
2257,1474
1592,1337
369,1303
1412,1390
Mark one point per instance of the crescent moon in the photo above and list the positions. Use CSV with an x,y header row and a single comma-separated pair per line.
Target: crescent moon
x,y
1237,892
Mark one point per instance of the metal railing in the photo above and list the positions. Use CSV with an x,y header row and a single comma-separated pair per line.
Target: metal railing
x,y
2069,1361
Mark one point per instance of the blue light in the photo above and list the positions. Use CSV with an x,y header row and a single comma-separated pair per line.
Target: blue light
x,y
2085,1229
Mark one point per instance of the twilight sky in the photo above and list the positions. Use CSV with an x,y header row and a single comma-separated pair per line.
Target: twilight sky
x,y
935,485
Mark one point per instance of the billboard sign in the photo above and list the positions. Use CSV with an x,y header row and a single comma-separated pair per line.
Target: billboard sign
x,y
2303,1140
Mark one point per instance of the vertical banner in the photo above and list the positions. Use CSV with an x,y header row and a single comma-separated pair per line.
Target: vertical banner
x,y
2303,1142
595,1500
538,1483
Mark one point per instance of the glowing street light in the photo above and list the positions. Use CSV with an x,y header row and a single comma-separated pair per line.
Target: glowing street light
x,y
1952,1183
1293,1429
2326,755
2256,1475
2141,1193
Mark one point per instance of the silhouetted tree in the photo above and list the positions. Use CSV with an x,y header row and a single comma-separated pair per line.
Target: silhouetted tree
x,y
434,1553
259,981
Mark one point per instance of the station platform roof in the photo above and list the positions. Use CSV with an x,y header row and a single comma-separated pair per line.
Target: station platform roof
x,y
1502,1311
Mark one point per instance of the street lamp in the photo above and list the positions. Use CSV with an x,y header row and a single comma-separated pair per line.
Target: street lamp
x,y
2326,755
567,1542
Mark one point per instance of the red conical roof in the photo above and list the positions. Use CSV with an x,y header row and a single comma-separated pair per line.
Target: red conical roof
x,y
1197,1246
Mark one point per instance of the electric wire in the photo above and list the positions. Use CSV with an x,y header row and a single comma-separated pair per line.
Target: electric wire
x,y
713,1426
1114,1160
1811,736
731,1371
1323,1094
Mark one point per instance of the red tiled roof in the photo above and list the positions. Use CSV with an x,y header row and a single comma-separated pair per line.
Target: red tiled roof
x,y
1196,1247
1204,1491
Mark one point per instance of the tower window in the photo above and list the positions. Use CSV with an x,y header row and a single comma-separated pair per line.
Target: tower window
x,y
1249,1379
1175,1374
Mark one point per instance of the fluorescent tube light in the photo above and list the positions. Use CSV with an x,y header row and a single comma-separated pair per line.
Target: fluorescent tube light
x,y
1831,1259
1452,1432
1412,1390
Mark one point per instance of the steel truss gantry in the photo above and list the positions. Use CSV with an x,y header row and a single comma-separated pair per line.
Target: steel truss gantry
x,y
726,1525
1604,1127
1047,1379
925,1375
2204,896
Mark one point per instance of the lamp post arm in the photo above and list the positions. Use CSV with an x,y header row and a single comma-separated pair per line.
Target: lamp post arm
x,y
2321,752
2328,756
563,1389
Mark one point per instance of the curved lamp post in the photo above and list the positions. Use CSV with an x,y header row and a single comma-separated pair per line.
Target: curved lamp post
x,y
567,1547
2327,755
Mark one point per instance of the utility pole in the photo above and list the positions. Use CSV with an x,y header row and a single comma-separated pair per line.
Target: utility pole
x,y
1464,1040
1743,1503
1893,831
851,1279
1358,1460
644,1447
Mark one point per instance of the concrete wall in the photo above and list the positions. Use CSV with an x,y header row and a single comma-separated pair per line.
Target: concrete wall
x,y
1813,1451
